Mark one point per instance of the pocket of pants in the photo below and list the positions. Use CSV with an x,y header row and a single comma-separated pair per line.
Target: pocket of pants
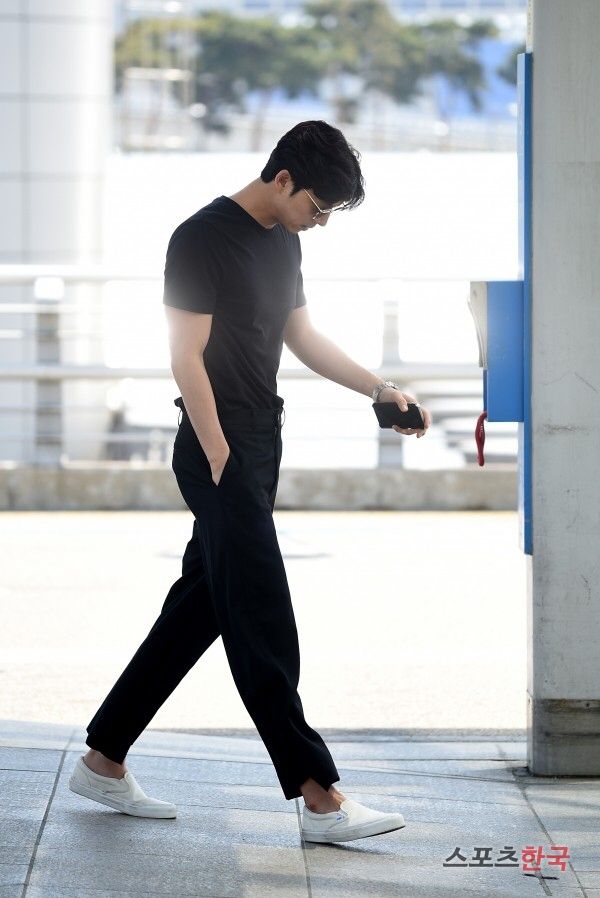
x,y
231,462
189,456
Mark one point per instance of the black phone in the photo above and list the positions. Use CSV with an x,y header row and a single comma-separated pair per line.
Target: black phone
x,y
389,413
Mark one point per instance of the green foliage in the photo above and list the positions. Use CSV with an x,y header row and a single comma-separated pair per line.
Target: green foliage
x,y
150,43
231,57
451,51
508,70
245,55
362,38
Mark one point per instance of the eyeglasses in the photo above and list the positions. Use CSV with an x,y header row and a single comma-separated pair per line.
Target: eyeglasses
x,y
323,211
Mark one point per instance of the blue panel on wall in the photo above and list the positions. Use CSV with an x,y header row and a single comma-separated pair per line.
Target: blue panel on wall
x,y
524,131
505,351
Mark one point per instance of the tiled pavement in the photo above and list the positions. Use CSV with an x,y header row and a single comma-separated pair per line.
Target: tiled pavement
x,y
236,836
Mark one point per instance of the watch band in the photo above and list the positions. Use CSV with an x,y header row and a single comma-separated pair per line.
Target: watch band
x,y
381,386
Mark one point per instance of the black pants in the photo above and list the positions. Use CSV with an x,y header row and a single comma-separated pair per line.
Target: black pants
x,y
233,584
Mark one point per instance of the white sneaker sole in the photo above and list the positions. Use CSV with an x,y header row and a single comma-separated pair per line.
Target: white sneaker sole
x,y
376,828
126,807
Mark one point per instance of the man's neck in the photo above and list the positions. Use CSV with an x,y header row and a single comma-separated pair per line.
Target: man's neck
x,y
254,199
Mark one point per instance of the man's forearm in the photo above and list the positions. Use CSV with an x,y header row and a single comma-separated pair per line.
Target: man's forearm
x,y
321,355
199,400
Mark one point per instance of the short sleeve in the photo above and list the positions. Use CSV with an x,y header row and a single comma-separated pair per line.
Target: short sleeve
x,y
300,297
193,270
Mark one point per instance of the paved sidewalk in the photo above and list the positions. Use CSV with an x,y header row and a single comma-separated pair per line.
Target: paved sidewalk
x,y
236,836
423,615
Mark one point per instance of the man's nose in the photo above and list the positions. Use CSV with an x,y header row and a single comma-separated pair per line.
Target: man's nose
x,y
323,219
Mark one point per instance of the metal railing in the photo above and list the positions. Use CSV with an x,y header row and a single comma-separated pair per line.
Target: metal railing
x,y
453,390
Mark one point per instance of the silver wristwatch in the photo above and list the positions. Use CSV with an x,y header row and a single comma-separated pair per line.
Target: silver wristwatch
x,y
381,386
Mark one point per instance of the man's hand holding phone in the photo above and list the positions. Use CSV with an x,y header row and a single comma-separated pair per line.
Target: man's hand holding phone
x,y
389,395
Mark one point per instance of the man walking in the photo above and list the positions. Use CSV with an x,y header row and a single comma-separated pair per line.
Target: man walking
x,y
233,294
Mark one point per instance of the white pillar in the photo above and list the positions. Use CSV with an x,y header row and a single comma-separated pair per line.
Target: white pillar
x,y
56,124
564,570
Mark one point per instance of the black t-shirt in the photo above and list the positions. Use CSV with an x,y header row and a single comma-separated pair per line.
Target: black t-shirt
x,y
222,261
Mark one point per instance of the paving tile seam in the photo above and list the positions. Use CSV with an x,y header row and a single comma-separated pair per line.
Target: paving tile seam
x,y
221,759
349,767
245,759
41,745
555,781
30,743
372,795
33,740
341,735
143,894
226,807
228,784
209,807
492,804
303,849
92,892
440,759
266,761
193,856
365,791
29,746
424,773
340,765
43,822
356,788
522,787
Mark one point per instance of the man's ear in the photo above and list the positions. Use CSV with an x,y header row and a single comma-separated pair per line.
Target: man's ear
x,y
283,181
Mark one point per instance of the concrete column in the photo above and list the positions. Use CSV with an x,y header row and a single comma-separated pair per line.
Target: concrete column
x,y
564,570
56,125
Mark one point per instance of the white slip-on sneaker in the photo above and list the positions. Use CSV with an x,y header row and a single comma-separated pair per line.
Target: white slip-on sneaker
x,y
125,794
352,821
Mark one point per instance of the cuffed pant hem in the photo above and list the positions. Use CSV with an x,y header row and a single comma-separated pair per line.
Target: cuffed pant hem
x,y
325,781
113,754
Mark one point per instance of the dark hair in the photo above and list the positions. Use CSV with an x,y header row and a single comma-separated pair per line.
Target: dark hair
x,y
318,156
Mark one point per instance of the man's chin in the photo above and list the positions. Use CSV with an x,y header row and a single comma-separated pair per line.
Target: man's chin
x,y
295,229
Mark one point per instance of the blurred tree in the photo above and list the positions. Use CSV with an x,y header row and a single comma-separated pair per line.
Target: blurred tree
x,y
452,54
256,55
231,57
156,47
361,38
150,43
508,70
356,46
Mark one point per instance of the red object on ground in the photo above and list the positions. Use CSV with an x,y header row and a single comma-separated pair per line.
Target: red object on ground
x,y
480,437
